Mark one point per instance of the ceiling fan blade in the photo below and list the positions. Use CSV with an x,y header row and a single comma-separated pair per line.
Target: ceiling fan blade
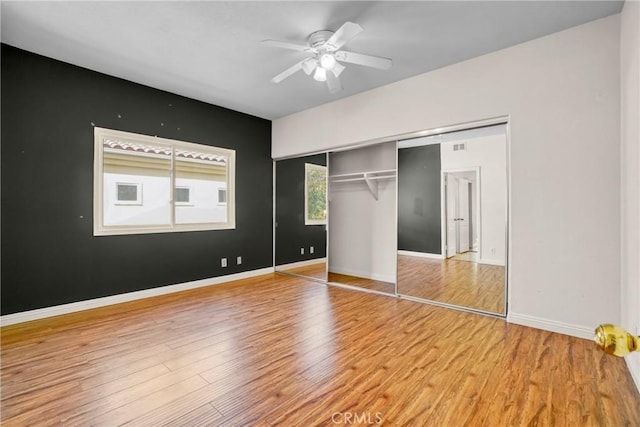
x,y
366,60
308,65
345,33
286,73
333,83
287,45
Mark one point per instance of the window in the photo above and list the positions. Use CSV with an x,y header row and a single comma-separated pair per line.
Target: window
x,y
222,196
182,185
183,196
128,194
315,194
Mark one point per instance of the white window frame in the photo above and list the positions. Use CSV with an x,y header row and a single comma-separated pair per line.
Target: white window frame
x,y
99,229
138,201
307,168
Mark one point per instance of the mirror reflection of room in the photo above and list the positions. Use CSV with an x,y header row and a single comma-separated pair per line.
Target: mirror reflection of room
x,y
452,213
301,216
362,208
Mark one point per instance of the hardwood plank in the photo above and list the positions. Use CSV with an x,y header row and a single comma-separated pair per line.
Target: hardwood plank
x,y
462,283
205,415
55,370
247,404
141,405
35,405
316,271
280,350
194,405
361,282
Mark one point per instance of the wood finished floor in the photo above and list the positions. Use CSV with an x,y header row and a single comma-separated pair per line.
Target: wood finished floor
x,y
314,271
319,271
463,283
280,350
361,282
466,256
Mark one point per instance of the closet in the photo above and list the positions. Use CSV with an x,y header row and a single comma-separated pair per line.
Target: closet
x,y
423,217
362,212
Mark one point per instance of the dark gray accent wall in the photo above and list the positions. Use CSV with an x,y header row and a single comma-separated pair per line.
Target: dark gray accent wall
x,y
291,232
419,215
49,253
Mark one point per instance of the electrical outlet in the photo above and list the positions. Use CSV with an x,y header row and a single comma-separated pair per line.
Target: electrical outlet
x,y
239,260
493,251
301,251
310,249
223,262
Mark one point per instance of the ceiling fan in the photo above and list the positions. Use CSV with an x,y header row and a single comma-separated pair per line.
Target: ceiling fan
x,y
325,62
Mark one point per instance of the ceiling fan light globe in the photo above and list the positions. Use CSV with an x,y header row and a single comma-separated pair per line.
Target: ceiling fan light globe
x,y
320,75
327,61
309,65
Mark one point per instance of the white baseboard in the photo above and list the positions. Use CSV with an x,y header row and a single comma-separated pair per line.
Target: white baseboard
x,y
551,325
301,263
365,274
421,254
58,310
491,261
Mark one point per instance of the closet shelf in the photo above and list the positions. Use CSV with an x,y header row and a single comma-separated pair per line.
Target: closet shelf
x,y
371,178
361,176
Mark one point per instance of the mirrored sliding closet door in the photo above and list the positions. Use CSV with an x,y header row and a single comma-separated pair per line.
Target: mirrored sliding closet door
x,y
301,216
452,218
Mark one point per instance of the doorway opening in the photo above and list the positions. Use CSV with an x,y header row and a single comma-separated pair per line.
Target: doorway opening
x,y
461,218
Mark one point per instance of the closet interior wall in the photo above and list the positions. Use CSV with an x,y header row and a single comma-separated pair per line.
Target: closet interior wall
x,y
362,212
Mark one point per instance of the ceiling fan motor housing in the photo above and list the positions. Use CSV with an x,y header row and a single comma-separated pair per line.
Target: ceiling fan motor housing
x,y
317,39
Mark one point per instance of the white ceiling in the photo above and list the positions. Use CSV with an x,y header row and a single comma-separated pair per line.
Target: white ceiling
x,y
211,51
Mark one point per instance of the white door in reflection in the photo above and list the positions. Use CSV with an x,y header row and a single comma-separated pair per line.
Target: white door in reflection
x,y
452,190
463,215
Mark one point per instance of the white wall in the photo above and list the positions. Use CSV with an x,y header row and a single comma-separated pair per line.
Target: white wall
x,y
630,154
562,95
489,153
204,205
362,230
155,206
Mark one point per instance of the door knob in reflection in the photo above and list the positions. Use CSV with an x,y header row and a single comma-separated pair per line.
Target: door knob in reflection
x,y
615,340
